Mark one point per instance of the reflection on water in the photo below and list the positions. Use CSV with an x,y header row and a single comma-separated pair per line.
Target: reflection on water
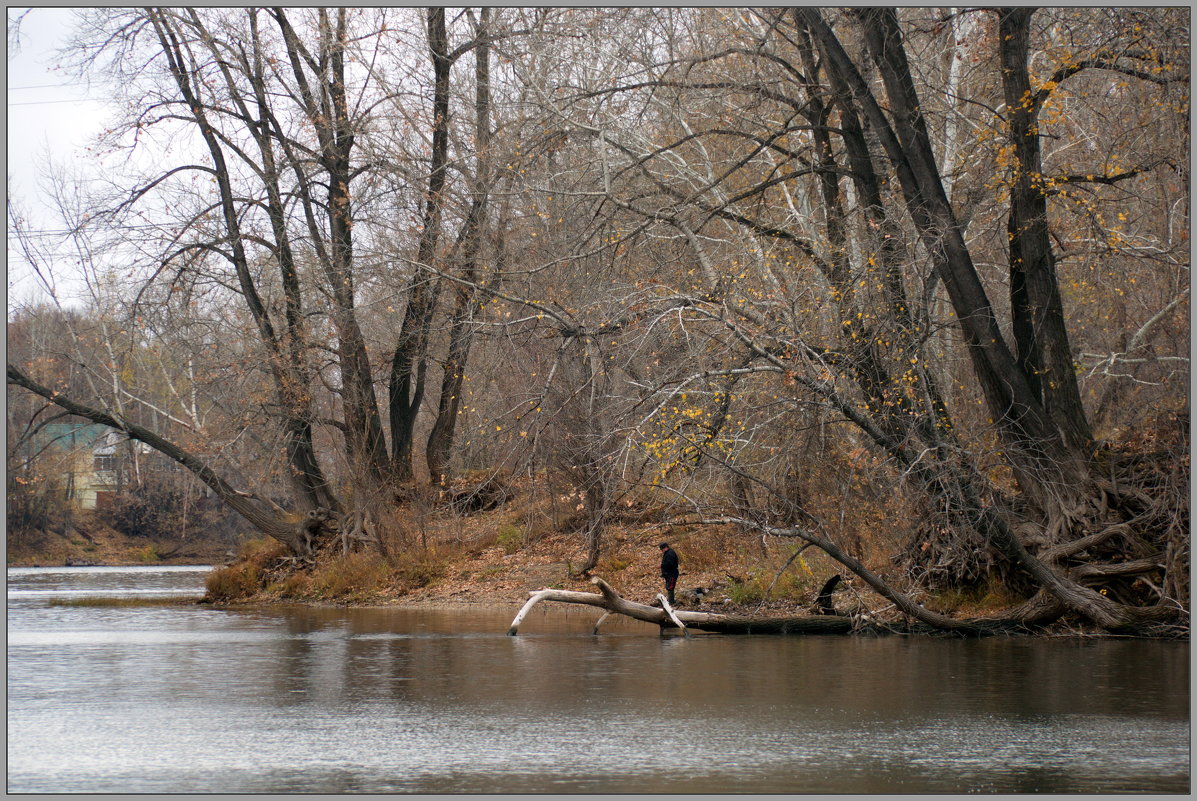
x,y
194,699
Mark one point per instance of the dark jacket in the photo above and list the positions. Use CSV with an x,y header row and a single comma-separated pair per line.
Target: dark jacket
x,y
669,562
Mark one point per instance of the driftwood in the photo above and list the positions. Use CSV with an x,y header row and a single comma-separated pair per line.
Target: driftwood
x,y
669,611
666,617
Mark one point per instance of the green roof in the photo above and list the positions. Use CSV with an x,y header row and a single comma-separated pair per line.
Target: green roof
x,y
67,436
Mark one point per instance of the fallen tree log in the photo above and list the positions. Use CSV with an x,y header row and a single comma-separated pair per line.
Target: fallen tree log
x,y
611,601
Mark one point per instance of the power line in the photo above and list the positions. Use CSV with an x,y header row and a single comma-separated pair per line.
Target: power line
x,y
52,102
107,226
45,86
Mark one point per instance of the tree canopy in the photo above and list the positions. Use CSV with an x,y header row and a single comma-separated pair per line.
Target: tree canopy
x,y
918,276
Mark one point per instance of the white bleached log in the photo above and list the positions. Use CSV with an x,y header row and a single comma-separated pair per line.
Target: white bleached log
x,y
611,601
669,611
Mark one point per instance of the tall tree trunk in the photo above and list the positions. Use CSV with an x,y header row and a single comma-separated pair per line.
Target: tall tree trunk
x,y
1037,453
283,352
468,299
1040,457
895,410
408,360
314,489
933,425
326,107
1039,328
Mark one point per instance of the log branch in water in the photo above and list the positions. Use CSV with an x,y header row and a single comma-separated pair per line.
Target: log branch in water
x,y
611,601
669,611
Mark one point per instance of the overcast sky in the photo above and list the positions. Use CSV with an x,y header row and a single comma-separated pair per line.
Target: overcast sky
x,y
49,116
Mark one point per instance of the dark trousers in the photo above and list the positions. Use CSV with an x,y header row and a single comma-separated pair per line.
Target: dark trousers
x,y
670,584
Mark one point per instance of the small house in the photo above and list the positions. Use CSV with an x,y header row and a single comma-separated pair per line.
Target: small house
x,y
96,461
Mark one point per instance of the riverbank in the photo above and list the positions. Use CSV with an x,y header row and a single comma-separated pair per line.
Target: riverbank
x,y
722,571
505,573
479,560
87,541
499,557
492,580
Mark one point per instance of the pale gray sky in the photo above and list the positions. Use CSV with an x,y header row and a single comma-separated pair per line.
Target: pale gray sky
x,y
50,116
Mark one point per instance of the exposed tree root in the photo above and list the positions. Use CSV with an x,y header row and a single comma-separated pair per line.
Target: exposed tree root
x,y
1115,551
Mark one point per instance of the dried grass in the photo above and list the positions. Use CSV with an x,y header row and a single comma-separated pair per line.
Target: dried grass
x,y
243,579
357,576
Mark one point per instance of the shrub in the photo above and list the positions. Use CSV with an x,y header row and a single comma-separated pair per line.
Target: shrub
x,y
419,569
261,551
792,585
34,505
745,591
147,554
146,511
243,578
510,537
975,600
613,564
233,583
160,508
756,588
293,586
355,576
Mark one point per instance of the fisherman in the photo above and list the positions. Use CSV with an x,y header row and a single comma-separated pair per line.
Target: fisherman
x,y
669,571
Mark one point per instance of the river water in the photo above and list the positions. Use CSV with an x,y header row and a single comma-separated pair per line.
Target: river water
x,y
191,699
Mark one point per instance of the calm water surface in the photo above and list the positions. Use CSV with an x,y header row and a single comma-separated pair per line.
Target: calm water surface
x,y
199,700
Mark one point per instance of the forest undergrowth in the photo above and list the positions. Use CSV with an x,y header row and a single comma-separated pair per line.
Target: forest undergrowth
x,y
530,542
498,557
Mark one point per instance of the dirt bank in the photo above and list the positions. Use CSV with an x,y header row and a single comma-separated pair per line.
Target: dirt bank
x,y
88,542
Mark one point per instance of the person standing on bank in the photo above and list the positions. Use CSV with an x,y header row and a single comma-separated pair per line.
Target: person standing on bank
x,y
669,571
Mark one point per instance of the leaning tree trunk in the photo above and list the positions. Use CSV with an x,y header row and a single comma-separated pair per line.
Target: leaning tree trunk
x,y
1052,472
298,534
